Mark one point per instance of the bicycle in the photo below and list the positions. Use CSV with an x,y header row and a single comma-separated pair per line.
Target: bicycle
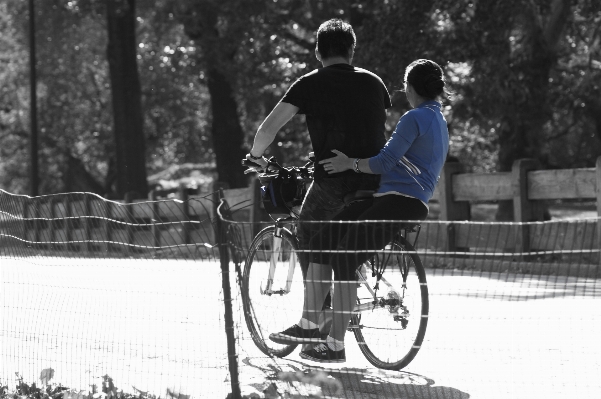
x,y
389,327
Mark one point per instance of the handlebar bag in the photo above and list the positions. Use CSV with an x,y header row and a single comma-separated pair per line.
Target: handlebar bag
x,y
279,192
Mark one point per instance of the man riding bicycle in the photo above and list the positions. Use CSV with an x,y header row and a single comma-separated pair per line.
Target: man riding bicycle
x,y
345,109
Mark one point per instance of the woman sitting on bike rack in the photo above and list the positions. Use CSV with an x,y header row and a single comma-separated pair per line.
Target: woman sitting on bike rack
x,y
409,164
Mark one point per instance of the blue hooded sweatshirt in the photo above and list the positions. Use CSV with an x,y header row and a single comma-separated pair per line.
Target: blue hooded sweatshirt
x,y
411,161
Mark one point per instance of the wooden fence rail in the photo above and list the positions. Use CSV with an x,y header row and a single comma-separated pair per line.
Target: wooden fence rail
x,y
83,221
525,185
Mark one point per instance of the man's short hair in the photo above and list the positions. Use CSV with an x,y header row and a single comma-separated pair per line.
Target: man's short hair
x,y
335,38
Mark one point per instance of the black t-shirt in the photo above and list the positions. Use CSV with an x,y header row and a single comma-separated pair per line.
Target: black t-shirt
x,y
345,109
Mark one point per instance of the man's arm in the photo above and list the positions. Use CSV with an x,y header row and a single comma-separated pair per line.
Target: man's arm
x,y
278,117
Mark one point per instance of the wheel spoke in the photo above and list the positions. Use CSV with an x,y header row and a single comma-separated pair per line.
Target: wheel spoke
x,y
272,290
390,327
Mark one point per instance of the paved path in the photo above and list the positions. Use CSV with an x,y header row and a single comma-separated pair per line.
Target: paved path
x,y
159,324
491,336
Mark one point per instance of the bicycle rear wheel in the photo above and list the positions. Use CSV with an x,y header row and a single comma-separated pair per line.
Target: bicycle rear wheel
x,y
269,309
390,330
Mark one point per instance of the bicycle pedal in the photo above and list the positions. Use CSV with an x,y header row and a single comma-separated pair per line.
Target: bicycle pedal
x,y
264,292
270,292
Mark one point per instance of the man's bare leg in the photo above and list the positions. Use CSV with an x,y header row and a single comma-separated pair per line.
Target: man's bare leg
x,y
345,299
317,286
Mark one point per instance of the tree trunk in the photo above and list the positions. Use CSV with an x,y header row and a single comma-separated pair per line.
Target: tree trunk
x,y
200,20
521,129
520,134
226,131
126,97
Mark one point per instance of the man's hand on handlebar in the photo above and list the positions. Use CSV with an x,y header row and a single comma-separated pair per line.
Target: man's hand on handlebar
x,y
262,162
254,165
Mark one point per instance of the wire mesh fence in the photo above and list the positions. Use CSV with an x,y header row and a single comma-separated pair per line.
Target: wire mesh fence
x,y
498,310
129,297
97,290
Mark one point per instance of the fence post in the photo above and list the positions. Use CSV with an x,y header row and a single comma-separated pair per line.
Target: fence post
x,y
51,223
31,213
182,193
106,226
130,220
26,223
36,222
224,260
598,189
523,208
218,188
86,221
449,208
68,223
156,232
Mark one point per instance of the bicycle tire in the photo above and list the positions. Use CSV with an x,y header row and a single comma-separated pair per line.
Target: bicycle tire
x,y
265,314
388,337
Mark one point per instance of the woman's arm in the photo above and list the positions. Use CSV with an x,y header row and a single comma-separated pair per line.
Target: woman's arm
x,y
341,162
395,149
402,138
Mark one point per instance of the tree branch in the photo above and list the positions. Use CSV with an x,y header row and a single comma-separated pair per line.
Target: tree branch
x,y
306,44
563,132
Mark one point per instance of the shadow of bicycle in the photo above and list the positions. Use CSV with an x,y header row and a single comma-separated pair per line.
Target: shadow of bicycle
x,y
374,383
294,379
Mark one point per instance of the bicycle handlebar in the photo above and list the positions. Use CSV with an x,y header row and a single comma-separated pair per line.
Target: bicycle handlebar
x,y
273,166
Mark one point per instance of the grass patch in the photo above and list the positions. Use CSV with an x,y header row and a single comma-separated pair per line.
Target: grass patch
x,y
45,390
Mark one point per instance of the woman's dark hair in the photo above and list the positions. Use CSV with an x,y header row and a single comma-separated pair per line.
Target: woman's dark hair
x,y
335,38
427,78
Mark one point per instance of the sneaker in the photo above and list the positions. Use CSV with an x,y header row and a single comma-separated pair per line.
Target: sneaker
x,y
323,354
297,335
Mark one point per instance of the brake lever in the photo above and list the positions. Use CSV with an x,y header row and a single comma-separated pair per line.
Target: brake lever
x,y
253,167
248,163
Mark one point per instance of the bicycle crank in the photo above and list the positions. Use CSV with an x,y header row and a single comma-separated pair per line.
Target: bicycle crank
x,y
269,291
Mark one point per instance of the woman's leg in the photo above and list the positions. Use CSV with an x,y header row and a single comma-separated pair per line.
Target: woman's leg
x,y
366,236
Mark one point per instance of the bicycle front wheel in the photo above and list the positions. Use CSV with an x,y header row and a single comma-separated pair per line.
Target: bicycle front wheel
x,y
390,325
272,289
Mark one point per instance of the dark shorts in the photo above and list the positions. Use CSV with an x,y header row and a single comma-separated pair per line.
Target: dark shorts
x,y
356,237
324,200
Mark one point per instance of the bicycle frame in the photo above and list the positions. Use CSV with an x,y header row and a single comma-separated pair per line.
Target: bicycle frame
x,y
368,306
273,261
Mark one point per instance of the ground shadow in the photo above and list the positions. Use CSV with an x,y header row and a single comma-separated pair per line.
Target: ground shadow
x,y
286,378
373,383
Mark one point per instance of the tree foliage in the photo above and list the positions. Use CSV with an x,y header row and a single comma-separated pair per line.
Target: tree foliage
x,y
525,74
521,72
